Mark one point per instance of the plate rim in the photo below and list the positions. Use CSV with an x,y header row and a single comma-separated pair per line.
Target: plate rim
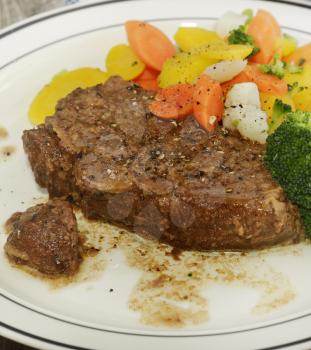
x,y
63,11
78,7
67,320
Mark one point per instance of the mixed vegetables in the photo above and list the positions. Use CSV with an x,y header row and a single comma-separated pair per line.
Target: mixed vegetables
x,y
245,74
242,48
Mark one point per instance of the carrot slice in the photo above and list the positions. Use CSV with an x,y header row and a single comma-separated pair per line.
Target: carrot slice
x,y
208,104
266,82
266,31
148,74
302,53
173,102
148,79
148,84
151,45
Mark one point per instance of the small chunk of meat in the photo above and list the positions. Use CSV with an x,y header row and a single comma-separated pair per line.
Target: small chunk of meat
x,y
45,238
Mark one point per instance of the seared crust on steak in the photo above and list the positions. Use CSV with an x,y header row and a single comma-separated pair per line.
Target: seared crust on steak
x,y
168,180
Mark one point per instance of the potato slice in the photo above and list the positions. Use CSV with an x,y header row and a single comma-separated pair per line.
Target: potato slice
x,y
302,99
188,38
267,102
301,92
286,44
182,68
121,60
302,79
60,86
223,51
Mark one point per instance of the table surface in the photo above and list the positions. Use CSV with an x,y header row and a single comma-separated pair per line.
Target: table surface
x,y
12,11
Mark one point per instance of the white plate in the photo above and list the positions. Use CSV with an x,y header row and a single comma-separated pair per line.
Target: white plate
x,y
87,315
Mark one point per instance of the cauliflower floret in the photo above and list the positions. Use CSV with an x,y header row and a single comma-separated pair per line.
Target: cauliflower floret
x,y
243,112
243,94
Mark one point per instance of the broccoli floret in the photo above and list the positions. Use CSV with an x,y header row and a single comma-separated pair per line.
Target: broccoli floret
x,y
239,36
277,67
306,216
279,112
288,157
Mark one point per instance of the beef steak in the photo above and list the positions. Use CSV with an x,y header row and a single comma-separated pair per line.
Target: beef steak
x,y
163,179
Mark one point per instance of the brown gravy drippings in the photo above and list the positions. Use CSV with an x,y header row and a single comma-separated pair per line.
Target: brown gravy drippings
x,y
170,291
3,133
6,152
